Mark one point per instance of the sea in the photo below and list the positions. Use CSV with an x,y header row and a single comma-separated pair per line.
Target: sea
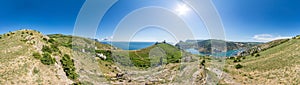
x,y
130,45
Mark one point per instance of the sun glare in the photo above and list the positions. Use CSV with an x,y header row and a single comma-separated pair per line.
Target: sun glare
x,y
182,9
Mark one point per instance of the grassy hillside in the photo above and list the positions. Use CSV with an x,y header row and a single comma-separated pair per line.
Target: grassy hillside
x,y
170,54
278,64
204,46
262,47
29,57
19,65
78,42
159,53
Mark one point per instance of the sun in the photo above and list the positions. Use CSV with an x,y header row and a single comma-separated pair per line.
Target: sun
x,y
182,9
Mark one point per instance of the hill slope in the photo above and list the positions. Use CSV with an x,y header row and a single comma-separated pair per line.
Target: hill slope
x,y
204,46
18,66
29,57
279,64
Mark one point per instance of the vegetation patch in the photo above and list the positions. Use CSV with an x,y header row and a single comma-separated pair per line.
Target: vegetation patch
x,y
69,67
47,59
47,49
238,66
37,55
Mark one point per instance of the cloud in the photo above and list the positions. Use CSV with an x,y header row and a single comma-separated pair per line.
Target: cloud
x,y
268,37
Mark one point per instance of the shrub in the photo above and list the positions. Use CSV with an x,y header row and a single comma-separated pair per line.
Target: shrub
x,y
46,49
36,55
54,48
47,59
31,33
236,60
238,66
35,70
69,68
257,55
45,39
51,40
203,62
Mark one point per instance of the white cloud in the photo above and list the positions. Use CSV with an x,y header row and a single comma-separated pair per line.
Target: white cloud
x,y
268,37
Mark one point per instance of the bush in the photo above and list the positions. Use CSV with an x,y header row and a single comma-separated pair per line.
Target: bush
x,y
35,70
257,55
51,41
36,55
203,62
237,60
31,33
69,67
47,59
238,66
54,48
46,49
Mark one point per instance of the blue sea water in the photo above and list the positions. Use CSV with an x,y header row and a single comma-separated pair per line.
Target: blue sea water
x,y
130,45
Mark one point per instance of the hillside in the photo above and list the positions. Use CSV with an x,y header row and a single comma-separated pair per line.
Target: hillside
x,y
30,57
262,47
278,62
18,66
204,46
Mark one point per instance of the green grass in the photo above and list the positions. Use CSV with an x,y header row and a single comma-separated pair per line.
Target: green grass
x,y
140,58
283,55
276,64
81,43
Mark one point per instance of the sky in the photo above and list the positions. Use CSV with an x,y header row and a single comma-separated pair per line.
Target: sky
x,y
243,20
